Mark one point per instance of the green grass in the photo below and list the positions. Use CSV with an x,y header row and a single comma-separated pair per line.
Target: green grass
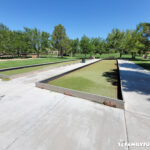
x,y
107,55
24,70
19,63
5,79
115,55
99,78
143,63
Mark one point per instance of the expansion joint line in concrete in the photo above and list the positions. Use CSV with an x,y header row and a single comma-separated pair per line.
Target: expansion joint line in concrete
x,y
58,103
11,143
139,115
126,129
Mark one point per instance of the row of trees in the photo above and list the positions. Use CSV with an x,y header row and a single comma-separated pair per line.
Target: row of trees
x,y
130,41
35,41
22,42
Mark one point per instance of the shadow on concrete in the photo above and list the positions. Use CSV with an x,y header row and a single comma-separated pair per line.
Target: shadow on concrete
x,y
2,96
148,99
134,81
130,66
144,65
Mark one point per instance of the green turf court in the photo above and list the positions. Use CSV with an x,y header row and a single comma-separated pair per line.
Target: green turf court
x,y
19,63
25,70
100,78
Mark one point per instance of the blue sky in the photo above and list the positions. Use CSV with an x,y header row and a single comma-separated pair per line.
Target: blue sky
x,y
80,17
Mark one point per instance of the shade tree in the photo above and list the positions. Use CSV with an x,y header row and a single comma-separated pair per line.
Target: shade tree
x,y
85,45
59,38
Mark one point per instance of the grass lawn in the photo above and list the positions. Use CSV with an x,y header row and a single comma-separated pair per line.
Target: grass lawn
x,y
107,55
99,78
116,55
143,63
24,70
19,63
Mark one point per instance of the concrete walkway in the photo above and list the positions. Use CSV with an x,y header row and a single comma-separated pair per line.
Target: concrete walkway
x,y
136,93
38,119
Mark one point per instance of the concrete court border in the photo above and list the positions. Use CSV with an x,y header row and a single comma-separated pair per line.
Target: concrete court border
x,y
121,80
92,97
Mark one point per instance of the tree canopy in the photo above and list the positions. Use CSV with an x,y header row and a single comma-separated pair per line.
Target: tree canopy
x,y
59,38
34,41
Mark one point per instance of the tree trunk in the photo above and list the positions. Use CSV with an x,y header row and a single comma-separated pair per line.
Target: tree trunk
x,y
38,54
120,55
133,55
18,53
61,52
71,54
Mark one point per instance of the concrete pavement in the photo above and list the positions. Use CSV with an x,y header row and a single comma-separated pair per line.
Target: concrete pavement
x,y
136,87
38,119
136,94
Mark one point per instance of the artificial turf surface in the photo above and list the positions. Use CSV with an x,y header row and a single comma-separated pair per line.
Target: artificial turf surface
x,y
19,63
99,78
24,70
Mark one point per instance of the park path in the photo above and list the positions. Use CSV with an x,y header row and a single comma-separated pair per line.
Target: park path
x,y
37,119
135,82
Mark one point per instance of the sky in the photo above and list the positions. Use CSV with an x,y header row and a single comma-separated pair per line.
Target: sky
x,y
94,18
